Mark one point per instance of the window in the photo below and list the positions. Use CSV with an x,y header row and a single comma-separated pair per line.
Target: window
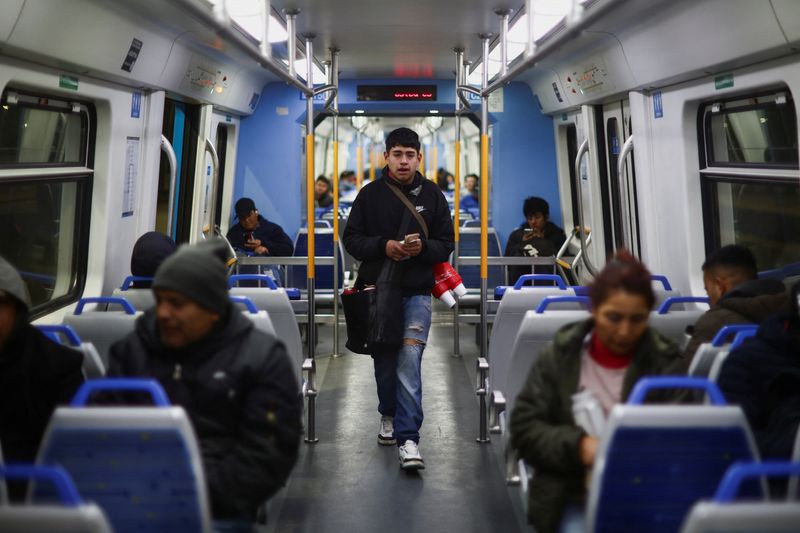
x,y
750,183
45,192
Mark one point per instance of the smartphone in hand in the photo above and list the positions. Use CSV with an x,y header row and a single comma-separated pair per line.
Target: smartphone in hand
x,y
411,238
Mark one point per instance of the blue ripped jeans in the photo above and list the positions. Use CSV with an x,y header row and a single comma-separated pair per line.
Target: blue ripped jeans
x,y
398,374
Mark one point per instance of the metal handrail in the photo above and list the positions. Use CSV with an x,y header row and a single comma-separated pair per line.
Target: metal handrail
x,y
461,89
583,150
555,45
627,230
226,32
214,176
166,147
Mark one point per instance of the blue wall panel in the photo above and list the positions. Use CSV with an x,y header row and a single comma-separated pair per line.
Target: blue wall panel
x,y
271,150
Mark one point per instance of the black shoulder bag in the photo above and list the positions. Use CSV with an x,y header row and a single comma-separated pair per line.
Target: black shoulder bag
x,y
374,314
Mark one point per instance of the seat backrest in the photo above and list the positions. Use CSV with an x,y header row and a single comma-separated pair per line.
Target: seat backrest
x,y
508,374
323,247
102,329
656,461
92,366
511,310
68,514
141,465
276,303
470,246
703,360
140,299
673,323
726,513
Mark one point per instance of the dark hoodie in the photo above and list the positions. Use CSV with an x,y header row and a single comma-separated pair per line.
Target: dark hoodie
x,y
748,303
150,250
376,218
548,245
238,388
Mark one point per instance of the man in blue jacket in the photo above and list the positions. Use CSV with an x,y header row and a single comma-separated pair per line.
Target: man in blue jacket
x,y
371,236
257,235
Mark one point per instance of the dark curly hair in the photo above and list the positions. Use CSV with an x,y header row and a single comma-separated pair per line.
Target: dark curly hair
x,y
534,204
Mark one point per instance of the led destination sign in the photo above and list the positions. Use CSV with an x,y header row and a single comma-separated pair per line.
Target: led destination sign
x,y
396,93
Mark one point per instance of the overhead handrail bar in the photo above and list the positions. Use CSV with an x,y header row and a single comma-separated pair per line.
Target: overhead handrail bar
x,y
266,11
166,147
461,89
225,31
583,150
503,14
627,230
215,185
330,87
558,43
291,42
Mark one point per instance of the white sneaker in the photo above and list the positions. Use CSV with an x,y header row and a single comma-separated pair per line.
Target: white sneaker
x,y
386,432
410,458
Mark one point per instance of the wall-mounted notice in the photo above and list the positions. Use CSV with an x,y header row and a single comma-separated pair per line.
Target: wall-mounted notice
x,y
131,173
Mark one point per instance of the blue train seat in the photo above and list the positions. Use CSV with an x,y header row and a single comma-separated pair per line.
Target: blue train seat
x,y
93,366
323,247
671,320
103,329
68,513
656,461
141,465
470,246
724,514
140,299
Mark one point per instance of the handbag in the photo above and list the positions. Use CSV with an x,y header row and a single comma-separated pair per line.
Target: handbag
x,y
371,313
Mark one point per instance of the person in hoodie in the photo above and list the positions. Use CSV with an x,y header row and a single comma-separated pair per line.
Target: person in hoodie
x,y
536,237
236,383
149,251
735,294
763,377
371,236
36,375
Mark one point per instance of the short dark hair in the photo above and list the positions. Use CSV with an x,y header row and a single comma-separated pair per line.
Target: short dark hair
x,y
533,205
403,137
733,257
623,272
346,174
324,179
472,176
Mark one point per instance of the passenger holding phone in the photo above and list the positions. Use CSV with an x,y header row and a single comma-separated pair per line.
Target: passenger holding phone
x,y
536,237
370,236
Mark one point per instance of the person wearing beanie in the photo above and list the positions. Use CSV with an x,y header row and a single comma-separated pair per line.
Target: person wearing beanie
x,y
236,383
36,375
763,377
149,252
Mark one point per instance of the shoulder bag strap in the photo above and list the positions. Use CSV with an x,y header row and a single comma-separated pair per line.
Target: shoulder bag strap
x,y
410,206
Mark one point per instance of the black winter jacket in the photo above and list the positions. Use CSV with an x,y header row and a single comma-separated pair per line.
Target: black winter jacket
x,y
763,377
376,218
239,390
270,234
749,303
36,375
548,245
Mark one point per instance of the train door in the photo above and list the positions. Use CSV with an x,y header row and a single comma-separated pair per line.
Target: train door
x,y
176,172
620,197
575,138
225,140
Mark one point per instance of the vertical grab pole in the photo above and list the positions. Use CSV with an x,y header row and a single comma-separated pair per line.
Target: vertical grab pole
x,y
457,194
291,40
503,14
484,192
359,160
483,370
311,336
265,47
333,79
214,186
371,160
166,147
530,47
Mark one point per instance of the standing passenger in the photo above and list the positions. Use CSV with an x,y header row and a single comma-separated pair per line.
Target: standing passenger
x,y
235,382
36,374
605,355
371,236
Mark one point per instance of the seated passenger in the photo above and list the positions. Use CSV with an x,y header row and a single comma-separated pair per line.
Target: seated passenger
x,y
605,355
36,375
469,193
322,192
235,382
347,181
536,237
763,377
256,235
149,252
735,293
